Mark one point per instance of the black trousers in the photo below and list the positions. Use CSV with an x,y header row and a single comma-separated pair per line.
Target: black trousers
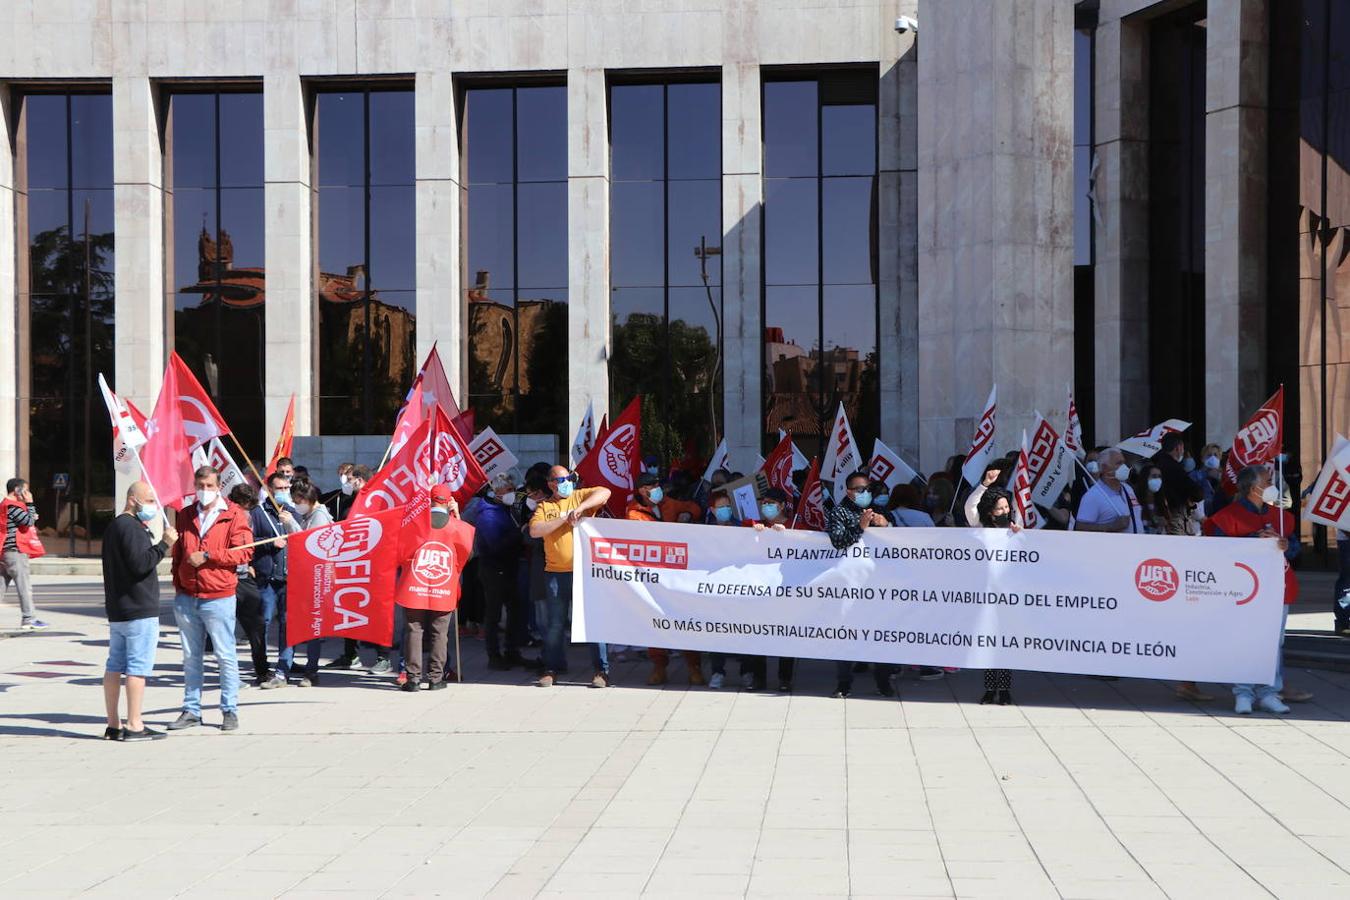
x,y
249,612
998,679
843,675
501,591
1342,584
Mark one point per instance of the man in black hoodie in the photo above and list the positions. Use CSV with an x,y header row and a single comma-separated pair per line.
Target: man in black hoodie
x,y
131,599
1179,491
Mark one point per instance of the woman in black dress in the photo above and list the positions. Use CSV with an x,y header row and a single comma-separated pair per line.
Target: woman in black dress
x,y
995,511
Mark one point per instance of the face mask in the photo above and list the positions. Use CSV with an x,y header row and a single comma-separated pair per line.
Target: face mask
x,y
657,495
883,500
1211,462
281,497
1188,464
207,498
1001,521
863,499
342,479
347,487
303,509
509,498
1093,467
439,518
147,511
565,489
1122,472
824,492
722,513
1155,485
1271,495
769,511
531,504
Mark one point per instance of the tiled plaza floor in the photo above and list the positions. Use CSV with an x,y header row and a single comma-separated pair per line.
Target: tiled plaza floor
x,y
494,788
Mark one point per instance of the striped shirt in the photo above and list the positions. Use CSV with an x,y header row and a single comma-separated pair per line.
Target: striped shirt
x,y
17,517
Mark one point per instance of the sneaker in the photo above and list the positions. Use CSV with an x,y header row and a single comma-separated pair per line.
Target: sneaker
x,y
1272,704
1295,695
308,680
343,662
185,720
840,694
438,686
408,686
145,734
112,734
547,679
229,721
381,667
34,625
1243,705
931,673
784,687
276,681
450,675
601,680
715,682
402,679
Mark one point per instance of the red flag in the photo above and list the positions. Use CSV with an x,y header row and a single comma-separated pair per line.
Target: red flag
x,y
616,459
778,467
811,511
1258,441
430,573
409,474
464,425
285,439
1027,513
344,573
412,415
167,455
201,421
436,386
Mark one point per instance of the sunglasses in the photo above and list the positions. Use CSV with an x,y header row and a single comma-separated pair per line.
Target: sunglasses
x,y
572,478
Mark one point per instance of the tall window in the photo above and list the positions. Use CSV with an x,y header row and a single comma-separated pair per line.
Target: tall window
x,y
665,234
213,175
515,164
1084,307
820,254
66,296
366,226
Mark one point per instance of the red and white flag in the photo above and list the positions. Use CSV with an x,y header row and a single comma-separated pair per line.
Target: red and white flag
x,y
434,455
811,511
436,386
464,425
842,456
345,574
982,444
491,453
721,459
128,438
1073,434
616,460
1329,502
1050,463
285,440
1025,509
214,454
1149,441
585,439
778,467
799,460
167,454
888,468
201,420
410,417
1258,442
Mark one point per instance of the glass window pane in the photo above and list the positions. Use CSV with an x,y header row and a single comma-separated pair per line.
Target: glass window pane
x,y
790,128
488,135
849,368
1082,208
193,140
543,365
241,221
493,349
341,225
91,140
636,132
541,251
541,133
341,142
393,345
847,218
1082,87
99,207
848,138
194,256
241,140
694,115
491,234
44,119
393,238
791,357
637,234
49,252
391,137
695,214
637,365
791,226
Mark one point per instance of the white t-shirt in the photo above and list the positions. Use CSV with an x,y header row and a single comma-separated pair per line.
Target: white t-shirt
x,y
1101,505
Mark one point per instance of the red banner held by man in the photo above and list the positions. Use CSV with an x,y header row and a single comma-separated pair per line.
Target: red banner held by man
x,y
1258,442
340,579
201,421
616,459
167,455
285,440
811,511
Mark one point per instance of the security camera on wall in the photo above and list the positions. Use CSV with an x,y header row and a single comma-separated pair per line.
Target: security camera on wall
x,y
906,25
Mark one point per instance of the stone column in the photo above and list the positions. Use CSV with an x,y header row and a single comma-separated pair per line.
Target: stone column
x,y
897,234
995,300
442,310
11,423
742,232
1120,274
588,320
1236,97
289,313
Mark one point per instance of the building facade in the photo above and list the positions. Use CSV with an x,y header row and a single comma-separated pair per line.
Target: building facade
x,y
747,212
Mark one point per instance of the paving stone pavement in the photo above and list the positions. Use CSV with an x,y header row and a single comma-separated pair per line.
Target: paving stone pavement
x,y
1086,789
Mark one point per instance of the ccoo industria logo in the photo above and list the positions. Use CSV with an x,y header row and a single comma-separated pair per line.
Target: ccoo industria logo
x,y
646,554
1156,580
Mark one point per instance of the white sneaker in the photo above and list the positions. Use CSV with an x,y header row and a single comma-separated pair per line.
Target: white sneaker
x,y
716,681
1272,704
1243,705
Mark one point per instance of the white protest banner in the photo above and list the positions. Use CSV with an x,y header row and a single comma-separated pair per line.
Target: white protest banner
x,y
1329,502
982,444
491,453
842,456
1146,606
1050,463
799,460
888,468
1024,509
585,439
1149,442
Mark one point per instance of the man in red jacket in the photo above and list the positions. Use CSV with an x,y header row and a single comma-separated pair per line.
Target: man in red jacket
x,y
1253,514
213,535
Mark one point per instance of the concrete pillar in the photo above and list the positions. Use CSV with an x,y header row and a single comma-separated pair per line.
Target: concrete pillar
x,y
898,233
442,309
742,227
588,320
995,300
289,314
9,356
1236,98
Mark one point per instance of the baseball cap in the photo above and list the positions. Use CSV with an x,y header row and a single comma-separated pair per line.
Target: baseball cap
x,y
440,493
647,479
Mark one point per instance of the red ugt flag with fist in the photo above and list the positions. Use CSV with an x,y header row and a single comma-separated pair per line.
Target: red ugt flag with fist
x,y
341,579
615,461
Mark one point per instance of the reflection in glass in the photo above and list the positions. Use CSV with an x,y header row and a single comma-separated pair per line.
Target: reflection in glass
x,y
515,161
665,201
367,257
820,256
66,289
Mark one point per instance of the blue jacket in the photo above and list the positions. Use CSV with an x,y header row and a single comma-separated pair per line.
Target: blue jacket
x,y
497,536
269,562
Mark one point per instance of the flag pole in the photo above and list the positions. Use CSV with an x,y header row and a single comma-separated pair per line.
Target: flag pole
x,y
262,482
459,667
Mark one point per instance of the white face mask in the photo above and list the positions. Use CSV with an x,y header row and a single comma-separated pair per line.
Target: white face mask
x,y
207,498
342,479
303,509
347,487
1093,467
532,503
509,498
1211,462
1122,472
1271,495
1155,484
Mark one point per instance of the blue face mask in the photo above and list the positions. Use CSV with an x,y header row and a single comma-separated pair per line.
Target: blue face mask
x,y
882,500
722,513
282,498
769,511
1188,464
657,495
565,489
147,511
863,499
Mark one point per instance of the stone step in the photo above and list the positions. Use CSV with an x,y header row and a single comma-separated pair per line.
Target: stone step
x,y
77,566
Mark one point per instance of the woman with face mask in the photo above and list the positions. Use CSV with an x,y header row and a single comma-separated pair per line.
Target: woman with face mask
x,y
722,512
938,500
995,511
774,516
1147,483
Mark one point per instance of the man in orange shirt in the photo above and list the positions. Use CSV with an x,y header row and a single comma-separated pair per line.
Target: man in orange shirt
x,y
646,506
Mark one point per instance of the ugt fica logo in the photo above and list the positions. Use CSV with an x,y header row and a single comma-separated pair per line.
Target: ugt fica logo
x,y
434,564
343,542
1156,580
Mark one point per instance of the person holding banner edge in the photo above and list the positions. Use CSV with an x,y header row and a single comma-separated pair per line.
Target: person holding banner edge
x,y
845,524
645,506
995,511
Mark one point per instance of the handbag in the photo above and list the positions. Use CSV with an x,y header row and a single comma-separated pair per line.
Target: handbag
x,y
26,538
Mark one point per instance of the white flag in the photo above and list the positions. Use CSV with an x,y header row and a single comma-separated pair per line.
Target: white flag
x,y
721,459
799,460
1050,463
888,468
1073,435
1149,441
982,444
492,454
585,438
214,454
1329,502
127,435
842,457
1024,508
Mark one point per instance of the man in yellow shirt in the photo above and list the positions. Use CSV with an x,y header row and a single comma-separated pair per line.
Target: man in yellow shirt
x,y
552,523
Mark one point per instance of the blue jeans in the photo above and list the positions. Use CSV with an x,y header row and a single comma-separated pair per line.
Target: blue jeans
x,y
198,619
558,601
274,598
1259,691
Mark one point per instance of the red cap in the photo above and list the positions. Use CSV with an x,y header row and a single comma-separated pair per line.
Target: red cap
x,y
440,493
